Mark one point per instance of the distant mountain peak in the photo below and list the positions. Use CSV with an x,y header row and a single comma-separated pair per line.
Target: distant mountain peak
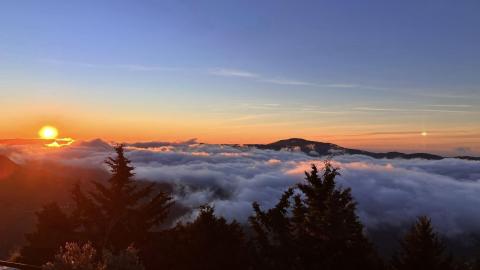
x,y
299,140
314,148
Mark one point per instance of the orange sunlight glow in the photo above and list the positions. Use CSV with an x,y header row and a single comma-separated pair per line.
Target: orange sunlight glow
x,y
60,142
51,133
48,133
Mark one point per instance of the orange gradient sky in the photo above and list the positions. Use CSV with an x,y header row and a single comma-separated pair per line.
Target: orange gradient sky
x,y
244,123
359,74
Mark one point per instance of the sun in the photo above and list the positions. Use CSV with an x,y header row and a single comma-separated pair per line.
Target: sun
x,y
48,133
424,133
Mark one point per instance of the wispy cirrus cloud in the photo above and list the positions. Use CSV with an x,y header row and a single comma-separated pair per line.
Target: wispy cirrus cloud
x,y
130,67
226,72
288,82
343,85
306,83
449,105
319,85
232,72
147,68
222,72
411,110
452,96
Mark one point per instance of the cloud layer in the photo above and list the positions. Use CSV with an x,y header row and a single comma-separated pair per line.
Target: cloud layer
x,y
391,192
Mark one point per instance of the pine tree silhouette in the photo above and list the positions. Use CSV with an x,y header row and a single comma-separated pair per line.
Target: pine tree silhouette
x,y
209,242
421,249
53,229
121,212
314,226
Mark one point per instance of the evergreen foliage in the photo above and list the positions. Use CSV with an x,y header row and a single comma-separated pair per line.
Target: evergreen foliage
x,y
209,242
421,249
53,229
121,212
313,226
112,216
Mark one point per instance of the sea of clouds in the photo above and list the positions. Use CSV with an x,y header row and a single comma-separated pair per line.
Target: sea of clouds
x,y
388,192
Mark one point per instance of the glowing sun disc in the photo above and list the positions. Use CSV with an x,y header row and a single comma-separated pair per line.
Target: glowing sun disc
x,y
48,132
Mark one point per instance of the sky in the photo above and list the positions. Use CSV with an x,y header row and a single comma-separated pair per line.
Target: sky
x,y
368,74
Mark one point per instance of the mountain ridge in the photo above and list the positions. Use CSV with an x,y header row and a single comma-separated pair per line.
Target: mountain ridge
x,y
315,148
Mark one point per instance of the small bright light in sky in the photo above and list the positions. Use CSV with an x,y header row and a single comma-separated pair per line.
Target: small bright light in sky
x,y
48,132
213,71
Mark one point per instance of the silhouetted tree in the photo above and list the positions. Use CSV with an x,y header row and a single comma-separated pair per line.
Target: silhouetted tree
x,y
124,260
74,257
209,242
121,212
421,249
313,226
84,257
53,229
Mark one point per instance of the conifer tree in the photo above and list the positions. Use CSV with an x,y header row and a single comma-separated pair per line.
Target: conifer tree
x,y
314,226
209,242
421,249
53,229
121,212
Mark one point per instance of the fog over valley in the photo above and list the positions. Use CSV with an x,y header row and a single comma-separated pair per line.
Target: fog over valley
x,y
389,192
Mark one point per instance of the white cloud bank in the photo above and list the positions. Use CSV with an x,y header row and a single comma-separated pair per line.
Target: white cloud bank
x,y
389,192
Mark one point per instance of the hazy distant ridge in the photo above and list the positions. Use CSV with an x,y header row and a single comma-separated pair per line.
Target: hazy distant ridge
x,y
314,148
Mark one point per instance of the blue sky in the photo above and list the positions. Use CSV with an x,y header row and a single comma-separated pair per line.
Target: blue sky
x,y
368,66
